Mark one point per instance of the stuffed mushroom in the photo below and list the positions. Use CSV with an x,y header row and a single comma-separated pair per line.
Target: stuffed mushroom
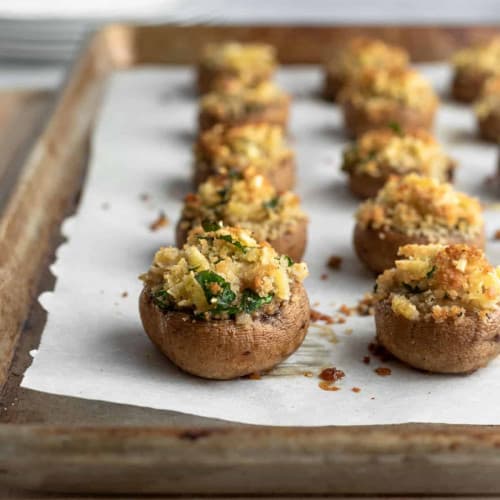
x,y
473,66
227,150
237,104
438,309
224,305
378,154
377,98
247,200
223,63
414,209
361,53
487,110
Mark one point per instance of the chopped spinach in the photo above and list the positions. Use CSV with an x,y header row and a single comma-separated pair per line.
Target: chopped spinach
x,y
210,226
396,128
251,301
431,272
216,287
230,239
272,203
161,299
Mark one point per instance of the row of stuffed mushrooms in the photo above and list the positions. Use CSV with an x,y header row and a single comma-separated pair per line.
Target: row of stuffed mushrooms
x,y
229,301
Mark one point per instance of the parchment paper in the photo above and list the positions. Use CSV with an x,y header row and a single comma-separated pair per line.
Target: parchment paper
x,y
93,345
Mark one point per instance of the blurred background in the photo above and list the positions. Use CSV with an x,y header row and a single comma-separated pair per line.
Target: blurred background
x,y
39,37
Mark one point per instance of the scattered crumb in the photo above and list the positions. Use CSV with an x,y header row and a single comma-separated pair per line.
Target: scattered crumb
x,y
254,376
105,206
366,360
125,294
366,305
324,277
326,331
497,235
308,374
144,196
316,303
383,371
334,262
347,311
331,374
161,221
356,389
327,387
380,352
348,331
319,316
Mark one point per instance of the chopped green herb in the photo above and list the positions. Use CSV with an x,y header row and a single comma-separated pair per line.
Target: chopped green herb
x,y
251,301
289,260
216,287
210,226
161,299
431,272
230,239
412,289
396,128
272,203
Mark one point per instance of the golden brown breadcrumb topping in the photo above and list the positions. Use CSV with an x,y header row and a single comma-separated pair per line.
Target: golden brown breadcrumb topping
x,y
380,88
237,101
483,57
440,282
381,152
222,273
225,149
362,53
248,201
421,206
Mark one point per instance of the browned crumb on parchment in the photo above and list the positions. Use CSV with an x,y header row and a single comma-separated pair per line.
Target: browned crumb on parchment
x,y
326,386
124,294
331,374
159,222
334,262
366,360
356,389
496,236
383,371
323,277
319,316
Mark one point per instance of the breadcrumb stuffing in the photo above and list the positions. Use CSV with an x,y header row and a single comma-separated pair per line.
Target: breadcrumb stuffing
x,y
236,101
222,272
440,282
481,57
361,53
421,206
248,200
224,149
380,88
382,152
246,61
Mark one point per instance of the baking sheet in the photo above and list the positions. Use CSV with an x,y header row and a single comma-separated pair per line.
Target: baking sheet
x,y
93,345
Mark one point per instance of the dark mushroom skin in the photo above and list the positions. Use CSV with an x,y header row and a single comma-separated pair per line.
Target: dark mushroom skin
x,y
227,349
455,345
378,249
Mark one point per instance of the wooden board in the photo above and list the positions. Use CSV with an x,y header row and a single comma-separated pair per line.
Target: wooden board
x,y
55,443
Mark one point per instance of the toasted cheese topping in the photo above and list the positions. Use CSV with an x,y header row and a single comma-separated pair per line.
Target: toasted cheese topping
x,y
225,149
237,101
362,53
440,282
379,88
482,58
421,206
244,60
380,153
489,100
222,273
248,201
